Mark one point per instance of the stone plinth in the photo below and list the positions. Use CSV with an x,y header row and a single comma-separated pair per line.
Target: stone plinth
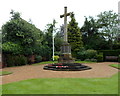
x,y
65,48
66,56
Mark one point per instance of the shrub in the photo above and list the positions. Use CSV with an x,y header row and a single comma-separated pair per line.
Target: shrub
x,y
93,60
20,60
38,58
87,60
86,54
31,59
14,60
45,52
91,53
56,58
119,58
10,61
57,53
81,55
99,58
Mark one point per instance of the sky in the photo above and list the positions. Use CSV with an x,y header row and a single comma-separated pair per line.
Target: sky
x,y
42,12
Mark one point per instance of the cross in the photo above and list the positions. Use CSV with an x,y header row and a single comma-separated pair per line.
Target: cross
x,y
65,23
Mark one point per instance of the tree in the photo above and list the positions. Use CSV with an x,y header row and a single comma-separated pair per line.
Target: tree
x,y
48,35
19,31
74,35
58,41
109,23
91,37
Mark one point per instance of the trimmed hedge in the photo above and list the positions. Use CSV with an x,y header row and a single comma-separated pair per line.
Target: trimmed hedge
x,y
109,53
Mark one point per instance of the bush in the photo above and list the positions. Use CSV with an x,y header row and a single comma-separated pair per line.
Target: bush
x,y
81,55
86,54
91,53
38,58
56,58
93,60
45,52
10,61
119,58
14,60
20,60
99,58
87,60
57,53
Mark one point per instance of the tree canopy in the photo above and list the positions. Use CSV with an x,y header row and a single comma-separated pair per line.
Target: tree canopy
x,y
74,35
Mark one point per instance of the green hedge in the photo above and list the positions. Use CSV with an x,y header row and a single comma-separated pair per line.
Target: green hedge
x,y
109,53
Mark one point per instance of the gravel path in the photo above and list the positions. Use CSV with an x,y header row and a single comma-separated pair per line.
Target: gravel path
x,y
36,71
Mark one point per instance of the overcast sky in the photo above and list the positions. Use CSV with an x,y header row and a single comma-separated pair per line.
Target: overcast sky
x,y
42,12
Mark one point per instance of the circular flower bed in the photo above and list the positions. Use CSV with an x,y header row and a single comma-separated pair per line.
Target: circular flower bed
x,y
66,67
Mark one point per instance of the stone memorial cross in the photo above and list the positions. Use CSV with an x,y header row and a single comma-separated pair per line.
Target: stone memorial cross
x,y
65,56
65,23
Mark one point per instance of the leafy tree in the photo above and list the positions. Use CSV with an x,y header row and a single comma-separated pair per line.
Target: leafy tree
x,y
109,23
58,41
48,35
12,48
15,15
74,35
19,31
90,27
91,37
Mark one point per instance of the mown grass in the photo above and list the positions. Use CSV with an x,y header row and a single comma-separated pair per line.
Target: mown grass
x,y
5,73
115,66
64,86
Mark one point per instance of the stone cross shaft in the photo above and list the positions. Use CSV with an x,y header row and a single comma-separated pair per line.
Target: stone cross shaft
x,y
119,14
65,23
119,10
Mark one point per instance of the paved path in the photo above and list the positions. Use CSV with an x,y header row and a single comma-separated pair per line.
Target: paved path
x,y
36,71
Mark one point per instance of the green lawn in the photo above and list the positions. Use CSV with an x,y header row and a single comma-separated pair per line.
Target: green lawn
x,y
50,62
115,65
4,73
64,86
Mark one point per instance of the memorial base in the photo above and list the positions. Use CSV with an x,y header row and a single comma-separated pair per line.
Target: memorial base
x,y
66,56
66,62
